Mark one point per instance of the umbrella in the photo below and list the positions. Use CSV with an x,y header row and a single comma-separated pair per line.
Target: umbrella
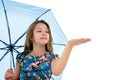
x,y
15,18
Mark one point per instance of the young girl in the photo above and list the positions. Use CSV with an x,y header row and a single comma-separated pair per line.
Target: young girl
x,y
38,62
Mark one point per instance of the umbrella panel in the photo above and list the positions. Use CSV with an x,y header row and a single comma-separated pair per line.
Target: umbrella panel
x,y
15,18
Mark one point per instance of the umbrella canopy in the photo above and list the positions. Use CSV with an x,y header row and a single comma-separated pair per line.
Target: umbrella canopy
x,y
15,19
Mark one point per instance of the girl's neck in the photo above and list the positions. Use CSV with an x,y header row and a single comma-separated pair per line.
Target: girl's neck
x,y
38,50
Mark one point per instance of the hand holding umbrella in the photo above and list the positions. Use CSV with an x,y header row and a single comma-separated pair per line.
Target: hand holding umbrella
x,y
9,74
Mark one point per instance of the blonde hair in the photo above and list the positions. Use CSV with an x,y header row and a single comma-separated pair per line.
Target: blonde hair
x,y
29,43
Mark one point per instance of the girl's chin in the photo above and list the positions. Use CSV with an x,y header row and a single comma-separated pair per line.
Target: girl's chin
x,y
43,43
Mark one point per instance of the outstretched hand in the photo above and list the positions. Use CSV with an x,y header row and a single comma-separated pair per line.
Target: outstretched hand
x,y
74,42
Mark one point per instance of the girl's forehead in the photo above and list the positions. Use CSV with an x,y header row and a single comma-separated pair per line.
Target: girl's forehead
x,y
41,26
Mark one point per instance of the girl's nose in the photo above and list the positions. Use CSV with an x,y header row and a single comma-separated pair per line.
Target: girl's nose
x,y
43,33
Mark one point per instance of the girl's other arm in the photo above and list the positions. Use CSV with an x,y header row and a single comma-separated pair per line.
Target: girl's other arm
x,y
59,64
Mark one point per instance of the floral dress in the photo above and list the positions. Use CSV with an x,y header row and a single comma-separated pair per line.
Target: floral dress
x,y
35,67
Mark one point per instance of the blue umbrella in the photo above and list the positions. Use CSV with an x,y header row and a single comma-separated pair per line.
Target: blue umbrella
x,y
15,18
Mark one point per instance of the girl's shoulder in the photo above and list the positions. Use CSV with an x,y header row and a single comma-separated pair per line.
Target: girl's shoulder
x,y
54,56
22,54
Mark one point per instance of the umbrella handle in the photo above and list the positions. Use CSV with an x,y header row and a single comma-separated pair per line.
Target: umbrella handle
x,y
10,61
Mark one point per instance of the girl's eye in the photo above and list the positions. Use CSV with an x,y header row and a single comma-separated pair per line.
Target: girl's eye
x,y
47,31
39,31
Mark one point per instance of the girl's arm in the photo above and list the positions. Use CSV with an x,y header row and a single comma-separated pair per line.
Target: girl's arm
x,y
17,72
59,64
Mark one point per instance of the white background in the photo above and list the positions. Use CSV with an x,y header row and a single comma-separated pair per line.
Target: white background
x,y
95,19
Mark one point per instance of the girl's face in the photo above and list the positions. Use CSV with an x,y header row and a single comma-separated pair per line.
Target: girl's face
x,y
41,34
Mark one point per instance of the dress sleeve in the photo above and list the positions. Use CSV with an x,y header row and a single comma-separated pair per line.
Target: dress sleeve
x,y
21,56
55,56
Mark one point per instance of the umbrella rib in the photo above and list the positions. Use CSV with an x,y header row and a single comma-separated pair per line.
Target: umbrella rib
x,y
20,37
3,42
59,27
59,44
15,50
3,48
4,55
7,22
16,47
42,14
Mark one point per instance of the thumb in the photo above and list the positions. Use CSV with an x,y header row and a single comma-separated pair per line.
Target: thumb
x,y
11,69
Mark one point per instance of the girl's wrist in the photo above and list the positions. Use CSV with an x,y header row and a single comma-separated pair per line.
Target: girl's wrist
x,y
70,44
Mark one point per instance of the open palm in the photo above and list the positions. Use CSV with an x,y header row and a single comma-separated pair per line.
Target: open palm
x,y
74,42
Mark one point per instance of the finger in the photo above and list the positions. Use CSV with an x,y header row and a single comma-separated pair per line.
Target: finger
x,y
9,72
10,69
9,75
85,40
88,39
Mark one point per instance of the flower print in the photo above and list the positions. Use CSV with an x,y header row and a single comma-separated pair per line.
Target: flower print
x,y
29,68
42,58
47,54
34,66
28,74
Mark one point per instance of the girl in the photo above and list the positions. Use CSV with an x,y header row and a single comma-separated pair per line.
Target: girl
x,y
38,62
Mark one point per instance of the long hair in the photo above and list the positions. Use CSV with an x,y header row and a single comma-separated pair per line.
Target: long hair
x,y
29,43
